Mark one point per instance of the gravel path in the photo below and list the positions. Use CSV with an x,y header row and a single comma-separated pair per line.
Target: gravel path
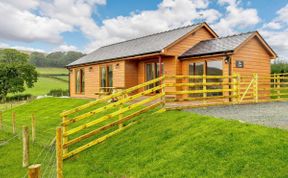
x,y
268,114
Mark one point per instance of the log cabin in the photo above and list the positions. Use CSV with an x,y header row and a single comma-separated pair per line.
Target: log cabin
x,y
191,50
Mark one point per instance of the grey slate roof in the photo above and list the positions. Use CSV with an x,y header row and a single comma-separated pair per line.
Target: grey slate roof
x,y
143,45
218,45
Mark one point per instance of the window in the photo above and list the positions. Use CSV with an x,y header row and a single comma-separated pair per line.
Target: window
x,y
106,77
152,71
214,68
206,68
80,81
196,68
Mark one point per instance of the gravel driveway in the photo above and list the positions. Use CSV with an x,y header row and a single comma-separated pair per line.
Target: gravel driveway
x,y
268,114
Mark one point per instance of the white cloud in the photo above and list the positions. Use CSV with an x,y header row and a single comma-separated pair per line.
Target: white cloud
x,y
22,5
235,18
22,25
66,47
46,20
76,13
4,45
169,14
273,25
276,31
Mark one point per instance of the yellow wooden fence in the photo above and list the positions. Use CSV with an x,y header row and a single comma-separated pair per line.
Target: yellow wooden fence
x,y
81,131
92,123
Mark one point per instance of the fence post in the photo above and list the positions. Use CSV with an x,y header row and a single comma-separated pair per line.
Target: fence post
x,y
59,152
204,89
234,80
274,80
256,87
238,88
13,122
120,116
65,138
278,86
34,171
33,128
163,98
1,118
25,139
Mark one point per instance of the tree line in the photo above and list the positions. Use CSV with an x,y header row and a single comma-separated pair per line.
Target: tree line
x,y
15,72
279,66
54,59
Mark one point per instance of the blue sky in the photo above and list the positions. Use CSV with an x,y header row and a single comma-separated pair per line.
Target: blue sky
x,y
85,25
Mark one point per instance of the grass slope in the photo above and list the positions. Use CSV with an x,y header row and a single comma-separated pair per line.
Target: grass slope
x,y
47,114
181,144
171,144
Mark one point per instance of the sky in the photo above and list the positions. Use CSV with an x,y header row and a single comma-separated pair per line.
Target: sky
x,y
85,25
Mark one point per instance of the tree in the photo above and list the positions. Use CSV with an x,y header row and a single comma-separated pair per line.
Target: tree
x,y
15,72
38,59
54,59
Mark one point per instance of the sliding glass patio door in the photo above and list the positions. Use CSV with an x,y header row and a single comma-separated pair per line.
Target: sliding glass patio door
x,y
152,71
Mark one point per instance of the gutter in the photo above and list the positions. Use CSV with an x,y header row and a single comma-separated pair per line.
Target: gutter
x,y
114,59
205,54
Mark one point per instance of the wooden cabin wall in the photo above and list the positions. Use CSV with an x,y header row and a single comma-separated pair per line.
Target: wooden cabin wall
x,y
255,57
188,42
256,60
131,73
92,78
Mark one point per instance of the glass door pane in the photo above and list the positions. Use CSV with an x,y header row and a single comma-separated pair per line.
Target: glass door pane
x,y
110,76
196,68
214,68
82,80
150,73
78,81
103,76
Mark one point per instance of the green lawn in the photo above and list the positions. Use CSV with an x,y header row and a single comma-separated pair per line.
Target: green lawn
x,y
44,85
171,144
51,70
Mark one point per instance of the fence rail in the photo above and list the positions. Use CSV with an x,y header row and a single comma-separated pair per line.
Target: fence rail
x,y
99,125
83,129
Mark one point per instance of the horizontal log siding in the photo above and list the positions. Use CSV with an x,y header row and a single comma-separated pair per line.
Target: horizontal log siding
x,y
92,78
131,73
256,60
188,42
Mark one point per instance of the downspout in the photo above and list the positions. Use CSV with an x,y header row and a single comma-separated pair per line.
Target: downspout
x,y
69,73
160,66
228,61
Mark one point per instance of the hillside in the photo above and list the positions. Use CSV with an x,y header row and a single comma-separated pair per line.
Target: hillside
x,y
48,79
172,144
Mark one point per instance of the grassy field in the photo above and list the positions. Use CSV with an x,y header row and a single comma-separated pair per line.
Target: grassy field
x,y
46,83
171,144
42,70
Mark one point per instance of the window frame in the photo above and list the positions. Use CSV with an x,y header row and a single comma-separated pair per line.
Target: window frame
x,y
107,80
80,85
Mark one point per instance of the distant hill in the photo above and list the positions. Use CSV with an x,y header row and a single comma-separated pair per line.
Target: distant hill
x,y
53,59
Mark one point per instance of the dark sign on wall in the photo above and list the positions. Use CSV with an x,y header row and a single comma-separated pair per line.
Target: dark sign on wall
x,y
240,64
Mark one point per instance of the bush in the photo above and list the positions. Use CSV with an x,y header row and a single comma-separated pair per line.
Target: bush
x,y
18,97
58,92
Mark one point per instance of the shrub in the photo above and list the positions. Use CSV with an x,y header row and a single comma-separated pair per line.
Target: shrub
x,y
18,97
58,92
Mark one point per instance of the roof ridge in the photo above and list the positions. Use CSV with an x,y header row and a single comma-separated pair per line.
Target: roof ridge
x,y
178,28
228,36
237,34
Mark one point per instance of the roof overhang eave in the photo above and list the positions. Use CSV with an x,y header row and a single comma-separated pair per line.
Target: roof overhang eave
x,y
229,52
158,52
